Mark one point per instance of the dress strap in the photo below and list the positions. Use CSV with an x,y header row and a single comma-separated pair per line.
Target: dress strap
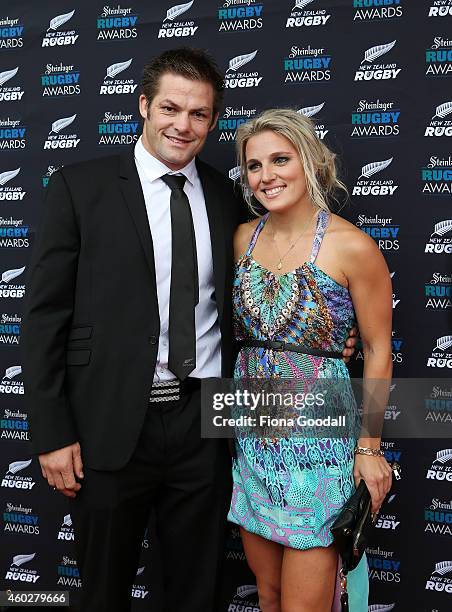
x,y
255,235
323,218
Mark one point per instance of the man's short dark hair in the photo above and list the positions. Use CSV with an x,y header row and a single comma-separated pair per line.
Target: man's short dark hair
x,y
194,64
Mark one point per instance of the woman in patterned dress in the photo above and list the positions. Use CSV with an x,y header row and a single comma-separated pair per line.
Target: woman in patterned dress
x,y
303,276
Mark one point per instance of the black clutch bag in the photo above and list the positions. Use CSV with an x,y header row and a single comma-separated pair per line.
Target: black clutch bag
x,y
351,531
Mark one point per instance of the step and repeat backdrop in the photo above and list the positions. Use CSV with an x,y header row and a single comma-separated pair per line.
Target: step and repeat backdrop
x,y
376,77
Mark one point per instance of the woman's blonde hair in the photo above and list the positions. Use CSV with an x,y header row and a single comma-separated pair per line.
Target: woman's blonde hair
x,y
318,161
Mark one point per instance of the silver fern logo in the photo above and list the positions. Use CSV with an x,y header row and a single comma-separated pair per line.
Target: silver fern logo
x,y
60,124
370,169
60,20
443,456
240,60
381,607
246,589
55,35
176,26
10,386
312,17
12,372
66,531
10,193
311,111
234,173
67,521
8,290
18,574
10,93
441,122
234,77
56,140
18,466
112,85
441,356
441,467
19,560
440,579
440,240
7,75
8,175
369,70
374,187
115,69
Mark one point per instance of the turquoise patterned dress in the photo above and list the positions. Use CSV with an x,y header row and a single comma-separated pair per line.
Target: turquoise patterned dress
x,y
290,490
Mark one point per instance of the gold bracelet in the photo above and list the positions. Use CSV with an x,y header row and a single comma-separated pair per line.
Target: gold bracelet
x,y
371,452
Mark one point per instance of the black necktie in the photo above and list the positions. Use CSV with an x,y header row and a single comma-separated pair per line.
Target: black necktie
x,y
184,281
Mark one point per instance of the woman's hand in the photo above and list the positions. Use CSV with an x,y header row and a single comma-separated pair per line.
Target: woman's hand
x,y
377,474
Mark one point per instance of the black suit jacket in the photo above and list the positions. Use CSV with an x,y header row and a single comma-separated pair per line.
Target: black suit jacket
x,y
91,325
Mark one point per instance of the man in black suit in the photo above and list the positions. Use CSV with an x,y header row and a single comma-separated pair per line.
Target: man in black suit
x,y
97,364
128,308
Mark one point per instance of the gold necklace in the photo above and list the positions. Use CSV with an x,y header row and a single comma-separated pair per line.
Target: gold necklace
x,y
305,227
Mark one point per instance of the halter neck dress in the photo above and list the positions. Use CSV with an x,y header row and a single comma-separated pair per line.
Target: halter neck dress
x,y
290,491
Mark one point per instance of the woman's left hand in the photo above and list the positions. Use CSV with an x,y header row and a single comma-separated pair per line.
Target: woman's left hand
x,y
377,474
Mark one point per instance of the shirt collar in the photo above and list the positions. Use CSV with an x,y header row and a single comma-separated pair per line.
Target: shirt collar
x,y
155,169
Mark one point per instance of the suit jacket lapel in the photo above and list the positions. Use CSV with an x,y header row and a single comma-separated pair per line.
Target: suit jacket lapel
x,y
134,199
212,199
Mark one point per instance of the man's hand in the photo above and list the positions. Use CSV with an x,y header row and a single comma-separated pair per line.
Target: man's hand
x,y
350,344
60,467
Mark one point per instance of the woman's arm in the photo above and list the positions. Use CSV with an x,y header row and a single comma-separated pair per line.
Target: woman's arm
x,y
371,291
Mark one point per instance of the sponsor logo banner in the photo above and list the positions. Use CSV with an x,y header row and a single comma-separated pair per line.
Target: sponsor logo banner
x,y
175,24
65,140
240,15
440,240
375,10
12,134
372,70
11,31
112,85
383,230
117,129
117,23
235,77
375,119
307,65
303,15
10,93
57,35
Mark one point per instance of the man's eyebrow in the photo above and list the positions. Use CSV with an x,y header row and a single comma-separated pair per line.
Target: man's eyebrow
x,y
168,101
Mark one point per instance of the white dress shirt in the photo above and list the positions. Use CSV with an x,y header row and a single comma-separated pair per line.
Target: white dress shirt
x,y
157,199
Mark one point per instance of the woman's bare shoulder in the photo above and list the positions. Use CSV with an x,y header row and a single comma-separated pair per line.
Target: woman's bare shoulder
x,y
349,239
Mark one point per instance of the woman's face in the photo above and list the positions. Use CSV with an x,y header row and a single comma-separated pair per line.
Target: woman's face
x,y
275,172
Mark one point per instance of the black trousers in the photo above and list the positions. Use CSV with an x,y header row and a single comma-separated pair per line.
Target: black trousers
x,y
186,482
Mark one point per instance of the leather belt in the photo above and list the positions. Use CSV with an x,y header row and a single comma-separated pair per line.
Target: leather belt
x,y
172,390
280,345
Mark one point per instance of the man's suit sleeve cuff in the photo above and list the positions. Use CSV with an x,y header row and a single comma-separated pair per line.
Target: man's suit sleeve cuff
x,y
51,425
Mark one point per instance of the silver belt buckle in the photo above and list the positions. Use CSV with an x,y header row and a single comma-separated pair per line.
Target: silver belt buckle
x,y
165,391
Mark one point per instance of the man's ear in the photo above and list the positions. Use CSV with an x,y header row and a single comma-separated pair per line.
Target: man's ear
x,y
214,122
143,106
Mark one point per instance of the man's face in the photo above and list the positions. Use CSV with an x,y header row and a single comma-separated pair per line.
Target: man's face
x,y
178,119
